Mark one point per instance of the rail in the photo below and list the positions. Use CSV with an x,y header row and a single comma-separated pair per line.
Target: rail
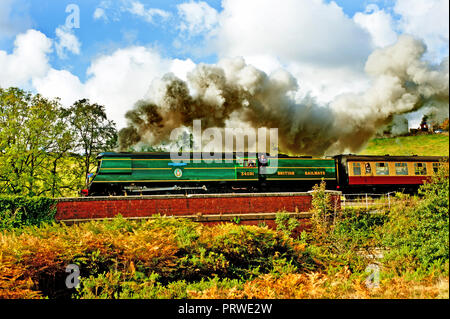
x,y
367,200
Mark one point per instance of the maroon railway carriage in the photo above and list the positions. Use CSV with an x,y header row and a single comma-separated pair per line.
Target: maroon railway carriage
x,y
384,173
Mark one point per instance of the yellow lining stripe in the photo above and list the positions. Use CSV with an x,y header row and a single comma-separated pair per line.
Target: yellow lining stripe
x,y
107,168
305,159
298,167
234,167
168,168
296,179
177,180
336,170
169,159
201,159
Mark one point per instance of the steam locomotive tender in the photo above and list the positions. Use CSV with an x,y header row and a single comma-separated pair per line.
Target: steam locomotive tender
x,y
156,173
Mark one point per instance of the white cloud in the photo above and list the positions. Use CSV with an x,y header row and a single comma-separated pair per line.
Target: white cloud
x,y
181,68
29,59
378,23
66,41
149,15
60,83
109,10
106,11
292,30
197,17
325,84
99,13
264,62
322,47
428,20
116,81
315,41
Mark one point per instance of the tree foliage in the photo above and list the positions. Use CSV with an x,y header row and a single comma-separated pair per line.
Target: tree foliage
x,y
33,140
93,131
38,139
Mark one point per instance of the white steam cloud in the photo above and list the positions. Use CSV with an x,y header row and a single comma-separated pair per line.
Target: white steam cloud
x,y
232,94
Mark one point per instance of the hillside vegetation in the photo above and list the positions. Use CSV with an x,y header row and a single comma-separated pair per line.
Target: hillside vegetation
x,y
176,258
422,145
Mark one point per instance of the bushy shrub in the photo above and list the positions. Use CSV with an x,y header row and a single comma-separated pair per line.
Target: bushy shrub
x,y
251,250
114,285
16,211
286,224
121,255
417,233
358,228
341,239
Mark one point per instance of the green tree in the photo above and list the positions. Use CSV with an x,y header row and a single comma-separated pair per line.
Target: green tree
x,y
33,140
93,131
61,175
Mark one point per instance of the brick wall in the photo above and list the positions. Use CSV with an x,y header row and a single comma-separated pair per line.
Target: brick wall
x,y
181,205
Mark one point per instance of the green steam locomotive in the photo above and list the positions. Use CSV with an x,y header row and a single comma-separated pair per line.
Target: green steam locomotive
x,y
158,173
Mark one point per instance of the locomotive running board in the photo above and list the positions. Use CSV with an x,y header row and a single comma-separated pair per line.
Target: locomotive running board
x,y
174,188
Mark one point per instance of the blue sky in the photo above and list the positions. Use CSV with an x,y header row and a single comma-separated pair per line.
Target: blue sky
x,y
324,44
122,29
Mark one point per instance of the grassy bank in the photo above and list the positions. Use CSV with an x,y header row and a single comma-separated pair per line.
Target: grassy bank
x,y
424,145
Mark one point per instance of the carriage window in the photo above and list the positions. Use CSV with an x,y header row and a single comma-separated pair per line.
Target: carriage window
x,y
368,168
382,168
356,168
401,169
420,168
435,167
